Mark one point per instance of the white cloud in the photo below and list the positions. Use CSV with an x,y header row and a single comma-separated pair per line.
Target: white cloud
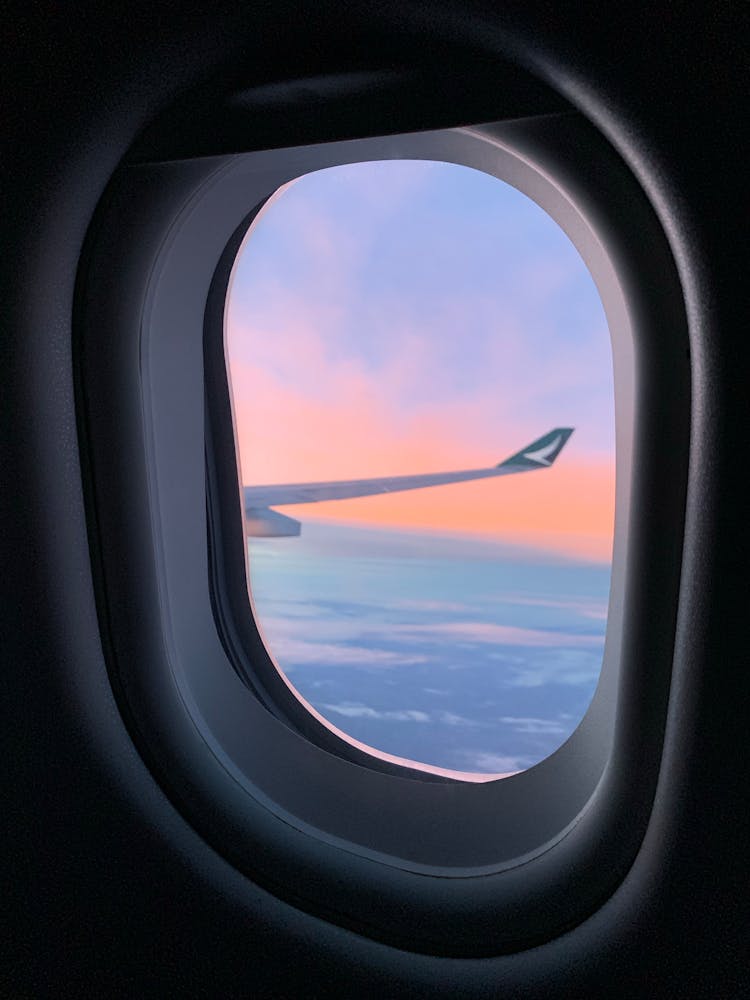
x,y
587,608
354,710
291,653
570,667
418,605
493,634
529,724
498,763
451,719
334,639
328,628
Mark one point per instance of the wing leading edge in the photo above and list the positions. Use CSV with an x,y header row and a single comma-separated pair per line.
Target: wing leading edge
x,y
540,454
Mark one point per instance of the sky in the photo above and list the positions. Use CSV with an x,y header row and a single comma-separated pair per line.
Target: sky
x,y
410,316
401,317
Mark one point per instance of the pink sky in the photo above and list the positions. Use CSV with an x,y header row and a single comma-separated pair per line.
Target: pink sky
x,y
353,432
340,369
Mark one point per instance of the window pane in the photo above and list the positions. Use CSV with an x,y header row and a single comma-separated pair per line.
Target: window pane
x,y
400,318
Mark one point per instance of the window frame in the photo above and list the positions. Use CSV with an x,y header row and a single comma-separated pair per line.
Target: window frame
x,y
230,569
447,866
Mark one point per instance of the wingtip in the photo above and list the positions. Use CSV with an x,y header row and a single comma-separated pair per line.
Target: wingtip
x,y
542,452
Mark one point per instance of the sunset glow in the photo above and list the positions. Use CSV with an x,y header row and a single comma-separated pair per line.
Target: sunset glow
x,y
400,318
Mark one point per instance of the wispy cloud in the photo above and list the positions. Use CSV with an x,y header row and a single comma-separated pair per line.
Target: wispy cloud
x,y
354,710
419,605
570,667
453,719
330,625
339,640
586,608
534,726
493,763
499,635
357,710
292,653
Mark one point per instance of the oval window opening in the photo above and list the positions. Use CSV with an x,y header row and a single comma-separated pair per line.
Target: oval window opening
x,y
409,346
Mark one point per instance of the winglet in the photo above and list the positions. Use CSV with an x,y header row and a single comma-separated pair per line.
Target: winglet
x,y
540,453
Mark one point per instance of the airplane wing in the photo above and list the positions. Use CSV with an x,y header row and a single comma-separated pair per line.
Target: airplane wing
x,y
540,454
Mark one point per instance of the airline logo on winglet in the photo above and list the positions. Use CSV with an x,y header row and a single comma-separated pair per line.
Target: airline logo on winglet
x,y
542,456
540,453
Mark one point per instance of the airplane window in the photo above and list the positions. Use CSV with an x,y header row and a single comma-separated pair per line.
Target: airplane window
x,y
421,376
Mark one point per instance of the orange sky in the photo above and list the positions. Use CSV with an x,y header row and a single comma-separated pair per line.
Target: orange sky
x,y
284,436
349,321
575,520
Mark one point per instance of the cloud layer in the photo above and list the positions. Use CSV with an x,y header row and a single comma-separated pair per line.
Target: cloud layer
x,y
427,652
